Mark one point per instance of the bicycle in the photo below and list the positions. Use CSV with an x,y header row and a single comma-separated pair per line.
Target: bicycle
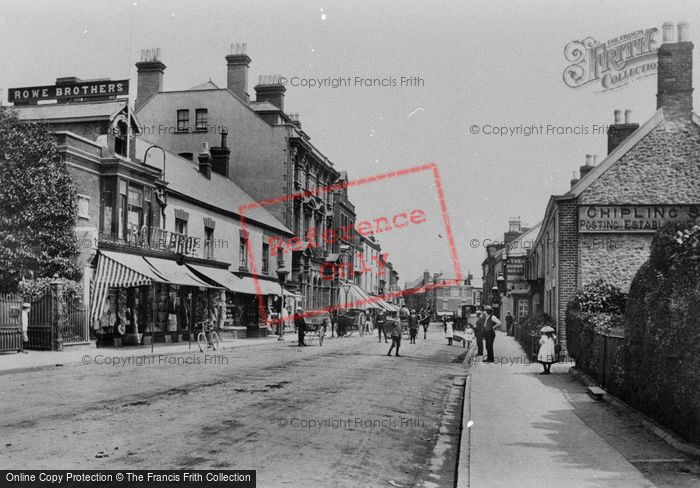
x,y
207,337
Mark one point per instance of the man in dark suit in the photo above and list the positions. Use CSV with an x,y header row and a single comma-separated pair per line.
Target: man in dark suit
x,y
490,324
479,333
300,324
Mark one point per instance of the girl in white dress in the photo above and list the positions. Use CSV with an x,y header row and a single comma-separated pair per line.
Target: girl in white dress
x,y
546,356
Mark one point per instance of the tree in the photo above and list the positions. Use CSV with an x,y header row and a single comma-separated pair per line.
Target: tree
x,y
37,205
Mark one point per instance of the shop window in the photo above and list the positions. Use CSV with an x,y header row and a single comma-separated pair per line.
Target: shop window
x,y
83,207
183,120
201,120
208,243
243,253
265,258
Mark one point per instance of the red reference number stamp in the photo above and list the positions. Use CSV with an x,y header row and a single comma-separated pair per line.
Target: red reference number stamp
x,y
324,254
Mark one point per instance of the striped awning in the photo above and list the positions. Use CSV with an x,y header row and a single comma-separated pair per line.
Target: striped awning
x,y
118,271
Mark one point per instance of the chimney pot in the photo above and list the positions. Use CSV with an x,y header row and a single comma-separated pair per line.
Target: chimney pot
x,y
618,116
628,116
668,32
589,158
224,134
150,76
595,159
237,71
683,31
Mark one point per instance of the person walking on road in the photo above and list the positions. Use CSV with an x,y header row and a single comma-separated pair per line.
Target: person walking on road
x,y
479,332
413,326
449,332
24,317
395,326
490,325
547,355
300,324
381,324
424,319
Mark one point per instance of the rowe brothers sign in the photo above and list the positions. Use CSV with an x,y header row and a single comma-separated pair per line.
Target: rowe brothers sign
x,y
77,89
633,218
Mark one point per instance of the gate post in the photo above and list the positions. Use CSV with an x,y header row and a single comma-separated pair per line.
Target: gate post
x,y
58,315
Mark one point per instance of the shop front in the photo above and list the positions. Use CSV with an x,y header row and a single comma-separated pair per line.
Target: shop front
x,y
139,299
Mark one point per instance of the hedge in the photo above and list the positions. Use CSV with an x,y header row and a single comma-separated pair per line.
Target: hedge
x,y
661,363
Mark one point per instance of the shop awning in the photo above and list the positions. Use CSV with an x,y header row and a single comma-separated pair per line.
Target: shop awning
x,y
173,273
222,277
385,305
357,298
265,287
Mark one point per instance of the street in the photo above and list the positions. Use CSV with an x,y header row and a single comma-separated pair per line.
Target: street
x,y
344,413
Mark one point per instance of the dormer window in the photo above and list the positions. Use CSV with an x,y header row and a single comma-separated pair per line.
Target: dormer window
x,y
120,139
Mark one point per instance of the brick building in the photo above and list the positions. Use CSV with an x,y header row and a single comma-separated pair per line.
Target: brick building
x,y
603,226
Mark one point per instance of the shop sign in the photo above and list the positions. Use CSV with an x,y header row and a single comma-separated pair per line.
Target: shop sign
x,y
80,89
162,240
633,218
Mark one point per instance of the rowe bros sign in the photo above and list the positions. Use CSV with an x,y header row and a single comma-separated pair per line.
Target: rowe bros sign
x,y
78,89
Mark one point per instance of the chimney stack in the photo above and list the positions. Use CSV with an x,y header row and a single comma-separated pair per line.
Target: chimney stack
x,y
237,76
220,156
150,76
270,89
585,169
619,131
205,161
574,180
675,73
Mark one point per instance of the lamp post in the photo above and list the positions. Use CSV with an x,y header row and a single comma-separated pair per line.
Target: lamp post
x,y
282,277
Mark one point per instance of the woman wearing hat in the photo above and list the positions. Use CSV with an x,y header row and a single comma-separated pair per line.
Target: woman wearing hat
x,y
25,325
546,356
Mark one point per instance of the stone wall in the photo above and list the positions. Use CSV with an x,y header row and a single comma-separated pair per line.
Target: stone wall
x,y
614,258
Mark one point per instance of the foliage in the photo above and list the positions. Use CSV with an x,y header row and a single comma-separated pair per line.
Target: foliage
x,y
33,290
661,362
595,309
37,205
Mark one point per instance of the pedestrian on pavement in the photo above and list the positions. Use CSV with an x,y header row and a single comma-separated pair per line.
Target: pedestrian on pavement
x,y
381,326
24,317
469,337
490,325
368,323
449,332
509,324
479,332
300,324
547,354
395,325
413,326
361,322
444,323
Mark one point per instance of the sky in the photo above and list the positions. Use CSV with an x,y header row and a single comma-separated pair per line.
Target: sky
x,y
482,64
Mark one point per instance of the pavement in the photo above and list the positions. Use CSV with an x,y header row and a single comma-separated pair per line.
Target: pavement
x,y
524,429
12,362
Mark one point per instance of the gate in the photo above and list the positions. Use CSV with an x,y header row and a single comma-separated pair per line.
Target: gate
x,y
40,329
75,328
10,322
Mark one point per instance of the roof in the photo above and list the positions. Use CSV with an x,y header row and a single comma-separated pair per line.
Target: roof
x,y
207,85
183,177
415,283
521,244
107,110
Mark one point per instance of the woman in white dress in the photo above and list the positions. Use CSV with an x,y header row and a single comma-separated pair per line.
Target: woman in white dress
x,y
546,356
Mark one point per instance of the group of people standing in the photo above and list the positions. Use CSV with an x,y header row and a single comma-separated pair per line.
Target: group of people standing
x,y
481,326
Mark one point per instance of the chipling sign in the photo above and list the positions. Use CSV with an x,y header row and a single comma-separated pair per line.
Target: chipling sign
x,y
81,89
611,64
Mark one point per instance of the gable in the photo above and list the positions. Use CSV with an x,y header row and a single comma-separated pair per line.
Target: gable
x,y
662,167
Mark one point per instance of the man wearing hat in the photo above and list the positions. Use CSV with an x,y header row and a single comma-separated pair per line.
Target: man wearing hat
x,y
490,324
25,325
300,324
